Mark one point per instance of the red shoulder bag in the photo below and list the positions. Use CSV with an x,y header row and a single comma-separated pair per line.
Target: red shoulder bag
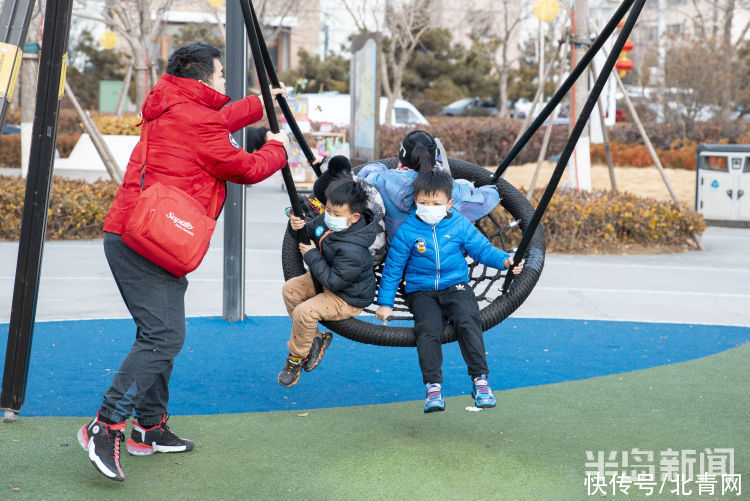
x,y
169,227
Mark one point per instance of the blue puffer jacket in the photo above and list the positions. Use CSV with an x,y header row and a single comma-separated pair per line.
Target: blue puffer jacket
x,y
433,256
398,195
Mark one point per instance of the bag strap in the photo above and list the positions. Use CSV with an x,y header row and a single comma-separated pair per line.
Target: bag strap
x,y
214,194
144,133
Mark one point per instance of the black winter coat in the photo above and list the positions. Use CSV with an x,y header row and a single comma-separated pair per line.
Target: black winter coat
x,y
341,261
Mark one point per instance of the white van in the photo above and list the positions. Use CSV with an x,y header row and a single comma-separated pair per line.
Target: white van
x,y
333,109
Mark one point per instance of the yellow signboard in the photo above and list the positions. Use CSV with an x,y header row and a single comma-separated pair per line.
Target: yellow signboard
x,y
10,64
63,71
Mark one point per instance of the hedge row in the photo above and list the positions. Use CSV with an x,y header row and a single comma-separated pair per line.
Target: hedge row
x,y
637,155
77,208
484,141
595,222
604,222
69,130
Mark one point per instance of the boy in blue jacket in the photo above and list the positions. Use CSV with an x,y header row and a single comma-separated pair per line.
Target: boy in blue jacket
x,y
428,251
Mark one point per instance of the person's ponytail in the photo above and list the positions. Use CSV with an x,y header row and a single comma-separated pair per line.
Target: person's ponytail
x,y
421,159
418,151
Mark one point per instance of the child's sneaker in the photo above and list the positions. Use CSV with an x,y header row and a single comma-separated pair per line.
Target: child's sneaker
x,y
289,375
102,442
317,350
435,402
482,393
158,438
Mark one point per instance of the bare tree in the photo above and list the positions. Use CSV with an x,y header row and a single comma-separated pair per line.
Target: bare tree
x,y
714,24
404,25
140,24
493,33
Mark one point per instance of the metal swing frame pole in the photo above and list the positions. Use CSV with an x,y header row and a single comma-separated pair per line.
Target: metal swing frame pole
x,y
596,45
588,107
36,204
283,104
16,16
273,122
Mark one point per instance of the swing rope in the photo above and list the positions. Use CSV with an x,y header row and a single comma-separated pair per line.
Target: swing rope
x,y
252,19
558,96
588,107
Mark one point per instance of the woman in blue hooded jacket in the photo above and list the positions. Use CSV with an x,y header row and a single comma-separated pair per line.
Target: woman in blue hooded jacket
x,y
420,153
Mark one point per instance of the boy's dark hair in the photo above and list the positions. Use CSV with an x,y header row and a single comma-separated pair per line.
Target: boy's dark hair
x,y
347,192
433,181
418,151
193,60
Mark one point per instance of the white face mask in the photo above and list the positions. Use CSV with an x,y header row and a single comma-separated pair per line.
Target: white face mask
x,y
432,214
335,223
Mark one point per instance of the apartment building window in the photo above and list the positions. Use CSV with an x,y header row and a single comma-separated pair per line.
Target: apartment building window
x,y
279,49
674,29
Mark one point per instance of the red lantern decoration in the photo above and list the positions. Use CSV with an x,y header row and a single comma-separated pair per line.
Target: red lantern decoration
x,y
628,46
624,64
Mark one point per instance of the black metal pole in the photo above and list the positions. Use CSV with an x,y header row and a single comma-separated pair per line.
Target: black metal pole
x,y
36,203
593,98
15,18
234,269
285,110
273,122
596,45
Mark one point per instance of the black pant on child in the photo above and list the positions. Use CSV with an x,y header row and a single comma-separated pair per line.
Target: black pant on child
x,y
156,300
457,305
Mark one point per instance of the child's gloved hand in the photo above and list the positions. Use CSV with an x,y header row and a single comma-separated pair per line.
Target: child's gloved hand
x,y
517,269
384,313
296,223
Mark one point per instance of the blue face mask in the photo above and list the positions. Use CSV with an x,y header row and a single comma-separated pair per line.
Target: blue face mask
x,y
335,223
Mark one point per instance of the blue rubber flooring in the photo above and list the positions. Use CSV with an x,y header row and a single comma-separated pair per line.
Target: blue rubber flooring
x,y
232,367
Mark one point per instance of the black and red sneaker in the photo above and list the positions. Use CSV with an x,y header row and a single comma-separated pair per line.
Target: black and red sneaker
x,y
102,442
317,350
158,438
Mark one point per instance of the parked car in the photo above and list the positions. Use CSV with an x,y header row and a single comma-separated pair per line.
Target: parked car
x,y
11,130
334,109
471,106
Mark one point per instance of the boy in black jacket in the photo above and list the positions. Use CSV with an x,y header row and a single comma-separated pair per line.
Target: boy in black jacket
x,y
339,259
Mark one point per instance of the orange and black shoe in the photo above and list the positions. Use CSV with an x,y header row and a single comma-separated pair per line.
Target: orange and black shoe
x,y
102,442
158,438
317,350
289,375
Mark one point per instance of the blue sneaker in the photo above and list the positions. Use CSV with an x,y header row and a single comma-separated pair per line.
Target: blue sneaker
x,y
482,393
435,402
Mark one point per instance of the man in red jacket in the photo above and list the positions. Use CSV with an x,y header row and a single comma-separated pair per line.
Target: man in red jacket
x,y
189,146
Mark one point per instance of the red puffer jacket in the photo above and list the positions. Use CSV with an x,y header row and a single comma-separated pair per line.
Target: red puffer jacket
x,y
189,146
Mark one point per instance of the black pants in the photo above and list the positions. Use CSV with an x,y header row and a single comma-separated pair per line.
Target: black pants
x,y
156,300
457,305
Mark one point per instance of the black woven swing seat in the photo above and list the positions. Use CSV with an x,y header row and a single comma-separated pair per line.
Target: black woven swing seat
x,y
485,282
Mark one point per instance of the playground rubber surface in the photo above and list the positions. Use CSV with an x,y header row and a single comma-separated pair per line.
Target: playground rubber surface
x,y
231,367
531,446
355,428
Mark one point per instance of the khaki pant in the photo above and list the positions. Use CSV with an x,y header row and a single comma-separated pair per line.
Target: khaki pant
x,y
306,309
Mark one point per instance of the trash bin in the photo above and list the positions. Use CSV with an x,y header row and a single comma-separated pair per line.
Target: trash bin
x,y
722,184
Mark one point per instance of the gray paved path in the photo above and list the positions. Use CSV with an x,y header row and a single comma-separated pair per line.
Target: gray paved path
x,y
711,287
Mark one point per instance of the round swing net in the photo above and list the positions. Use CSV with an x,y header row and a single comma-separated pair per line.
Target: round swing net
x,y
504,230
